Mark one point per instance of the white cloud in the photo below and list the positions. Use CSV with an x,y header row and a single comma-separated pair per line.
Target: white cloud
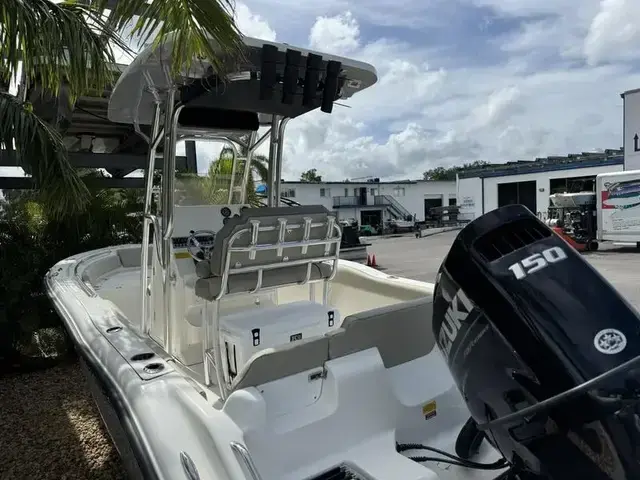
x,y
597,31
501,105
339,34
551,89
614,33
517,8
251,24
421,114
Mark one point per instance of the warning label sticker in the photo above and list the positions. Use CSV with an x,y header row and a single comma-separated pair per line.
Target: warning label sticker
x,y
429,410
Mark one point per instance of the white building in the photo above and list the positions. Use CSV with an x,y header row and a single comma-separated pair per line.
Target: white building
x,y
372,203
531,182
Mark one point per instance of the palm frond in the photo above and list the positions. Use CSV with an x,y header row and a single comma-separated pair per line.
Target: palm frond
x,y
40,151
258,166
58,43
194,23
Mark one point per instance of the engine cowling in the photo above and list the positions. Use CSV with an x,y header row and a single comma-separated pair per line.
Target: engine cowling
x,y
521,318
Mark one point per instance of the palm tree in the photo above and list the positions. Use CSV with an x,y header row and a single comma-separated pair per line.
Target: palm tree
x,y
31,241
214,188
68,48
260,166
218,177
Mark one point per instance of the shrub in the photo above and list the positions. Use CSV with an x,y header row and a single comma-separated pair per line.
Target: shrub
x,y
31,334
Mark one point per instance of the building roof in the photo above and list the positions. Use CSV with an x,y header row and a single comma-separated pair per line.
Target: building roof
x,y
548,164
346,182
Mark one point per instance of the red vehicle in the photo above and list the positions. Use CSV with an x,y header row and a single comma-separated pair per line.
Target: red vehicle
x,y
590,245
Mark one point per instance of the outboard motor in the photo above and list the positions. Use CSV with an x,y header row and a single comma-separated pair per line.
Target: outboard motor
x,y
543,349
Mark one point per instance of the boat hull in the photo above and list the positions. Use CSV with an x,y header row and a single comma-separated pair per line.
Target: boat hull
x,y
99,359
569,200
354,254
112,418
135,404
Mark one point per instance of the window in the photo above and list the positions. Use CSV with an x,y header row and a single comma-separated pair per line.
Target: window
x,y
398,192
373,192
346,192
572,185
325,192
452,202
289,193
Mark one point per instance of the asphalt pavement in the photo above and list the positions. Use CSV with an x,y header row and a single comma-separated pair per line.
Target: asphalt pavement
x,y
420,258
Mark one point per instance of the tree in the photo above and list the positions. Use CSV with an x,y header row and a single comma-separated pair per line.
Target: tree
x,y
214,188
259,167
311,176
77,44
31,241
442,173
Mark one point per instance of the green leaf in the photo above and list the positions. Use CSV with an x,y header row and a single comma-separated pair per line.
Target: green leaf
x,y
193,23
259,165
70,44
39,149
57,43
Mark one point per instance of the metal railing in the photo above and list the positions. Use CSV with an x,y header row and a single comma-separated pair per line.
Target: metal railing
x,y
351,201
331,239
261,201
242,453
396,207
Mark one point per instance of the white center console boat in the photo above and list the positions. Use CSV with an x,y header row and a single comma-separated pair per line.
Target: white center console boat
x,y
233,343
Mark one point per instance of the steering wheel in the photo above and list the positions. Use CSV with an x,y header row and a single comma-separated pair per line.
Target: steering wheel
x,y
197,251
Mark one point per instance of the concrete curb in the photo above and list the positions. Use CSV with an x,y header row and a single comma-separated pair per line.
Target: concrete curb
x,y
427,232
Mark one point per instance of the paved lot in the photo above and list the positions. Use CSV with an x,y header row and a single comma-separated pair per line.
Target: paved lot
x,y
420,258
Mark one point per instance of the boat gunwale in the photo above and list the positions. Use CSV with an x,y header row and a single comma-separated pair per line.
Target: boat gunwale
x,y
113,392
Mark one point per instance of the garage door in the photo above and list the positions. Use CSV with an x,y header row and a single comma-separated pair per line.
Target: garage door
x,y
523,193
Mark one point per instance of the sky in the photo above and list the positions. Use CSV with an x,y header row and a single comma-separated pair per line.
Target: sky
x,y
459,80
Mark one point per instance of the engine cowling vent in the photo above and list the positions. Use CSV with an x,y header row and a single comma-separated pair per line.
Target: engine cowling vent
x,y
340,472
510,237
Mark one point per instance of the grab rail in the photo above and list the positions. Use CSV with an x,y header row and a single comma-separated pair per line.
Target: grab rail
x,y
332,237
561,397
154,141
168,177
254,247
242,452
156,237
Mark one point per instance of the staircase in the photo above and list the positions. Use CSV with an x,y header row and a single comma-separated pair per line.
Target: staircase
x,y
261,201
395,208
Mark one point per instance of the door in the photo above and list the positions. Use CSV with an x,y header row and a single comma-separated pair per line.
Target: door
x,y
527,195
363,195
523,193
507,194
371,217
429,203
